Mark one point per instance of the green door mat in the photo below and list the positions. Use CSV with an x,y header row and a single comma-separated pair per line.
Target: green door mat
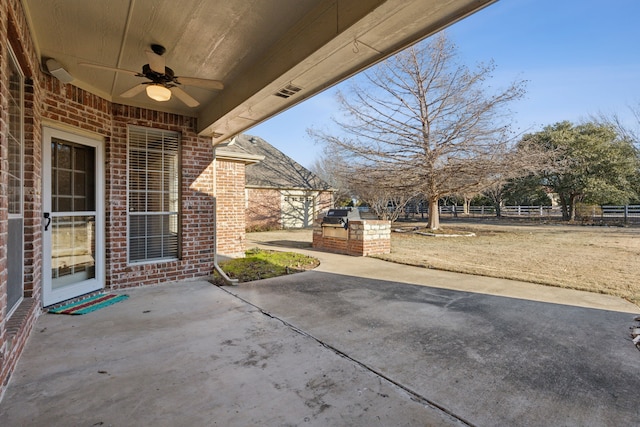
x,y
88,305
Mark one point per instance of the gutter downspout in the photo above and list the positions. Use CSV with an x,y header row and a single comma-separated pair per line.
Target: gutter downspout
x,y
226,278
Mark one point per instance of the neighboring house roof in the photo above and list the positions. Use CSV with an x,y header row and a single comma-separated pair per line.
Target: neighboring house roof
x,y
223,152
277,170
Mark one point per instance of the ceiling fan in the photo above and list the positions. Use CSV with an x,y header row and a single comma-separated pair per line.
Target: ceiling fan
x,y
162,81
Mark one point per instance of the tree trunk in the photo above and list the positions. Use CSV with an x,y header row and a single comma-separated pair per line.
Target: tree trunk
x,y
433,223
564,204
572,208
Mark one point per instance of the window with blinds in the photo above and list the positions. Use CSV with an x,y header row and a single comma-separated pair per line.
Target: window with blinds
x,y
153,194
15,183
15,138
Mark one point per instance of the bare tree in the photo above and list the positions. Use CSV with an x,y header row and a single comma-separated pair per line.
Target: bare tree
x,y
386,201
467,197
330,168
428,125
629,131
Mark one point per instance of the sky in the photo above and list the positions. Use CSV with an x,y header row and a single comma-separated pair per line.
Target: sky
x,y
580,58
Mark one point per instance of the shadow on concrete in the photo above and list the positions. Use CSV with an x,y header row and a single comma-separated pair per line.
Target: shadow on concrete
x,y
489,360
318,348
293,244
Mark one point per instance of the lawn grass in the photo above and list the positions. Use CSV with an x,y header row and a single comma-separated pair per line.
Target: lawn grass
x,y
591,258
263,264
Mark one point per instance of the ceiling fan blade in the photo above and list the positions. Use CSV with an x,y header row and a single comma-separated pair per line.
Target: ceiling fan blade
x,y
156,62
203,83
184,97
104,67
133,91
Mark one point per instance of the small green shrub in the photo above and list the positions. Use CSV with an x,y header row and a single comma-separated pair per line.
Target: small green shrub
x,y
586,211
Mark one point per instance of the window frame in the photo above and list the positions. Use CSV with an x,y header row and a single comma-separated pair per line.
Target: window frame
x,y
174,192
13,63
13,216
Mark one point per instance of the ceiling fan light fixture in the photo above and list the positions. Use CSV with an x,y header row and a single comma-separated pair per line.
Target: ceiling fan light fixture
x,y
158,93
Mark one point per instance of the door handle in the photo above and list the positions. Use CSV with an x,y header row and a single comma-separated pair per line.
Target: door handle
x,y
47,217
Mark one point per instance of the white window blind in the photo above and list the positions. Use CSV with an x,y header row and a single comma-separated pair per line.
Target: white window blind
x,y
153,194
15,138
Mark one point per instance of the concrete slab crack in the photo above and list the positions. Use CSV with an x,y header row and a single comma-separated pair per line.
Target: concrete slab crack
x,y
415,396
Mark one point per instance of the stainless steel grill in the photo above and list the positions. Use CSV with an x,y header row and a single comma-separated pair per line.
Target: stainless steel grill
x,y
340,217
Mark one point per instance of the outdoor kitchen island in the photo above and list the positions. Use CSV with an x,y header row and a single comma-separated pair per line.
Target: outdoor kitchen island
x,y
350,232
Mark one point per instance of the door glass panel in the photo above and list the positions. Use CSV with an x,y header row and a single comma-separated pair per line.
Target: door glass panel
x,y
73,177
73,218
73,250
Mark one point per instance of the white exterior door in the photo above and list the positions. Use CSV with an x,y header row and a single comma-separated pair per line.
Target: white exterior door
x,y
73,210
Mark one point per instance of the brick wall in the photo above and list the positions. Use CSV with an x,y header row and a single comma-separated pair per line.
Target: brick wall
x,y
75,107
79,109
263,209
196,202
230,181
4,351
18,329
15,330
33,192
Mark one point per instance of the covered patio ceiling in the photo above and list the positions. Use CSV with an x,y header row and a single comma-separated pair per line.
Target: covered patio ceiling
x,y
268,54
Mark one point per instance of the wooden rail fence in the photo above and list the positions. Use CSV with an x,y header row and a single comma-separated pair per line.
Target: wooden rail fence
x,y
606,213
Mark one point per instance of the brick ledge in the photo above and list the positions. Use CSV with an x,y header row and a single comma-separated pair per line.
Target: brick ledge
x,y
20,316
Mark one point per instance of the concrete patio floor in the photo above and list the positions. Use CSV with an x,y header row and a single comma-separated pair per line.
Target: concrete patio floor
x,y
357,341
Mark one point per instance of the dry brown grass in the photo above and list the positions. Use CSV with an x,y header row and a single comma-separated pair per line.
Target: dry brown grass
x,y
596,259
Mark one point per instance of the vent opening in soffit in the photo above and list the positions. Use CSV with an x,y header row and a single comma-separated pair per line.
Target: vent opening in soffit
x,y
288,91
